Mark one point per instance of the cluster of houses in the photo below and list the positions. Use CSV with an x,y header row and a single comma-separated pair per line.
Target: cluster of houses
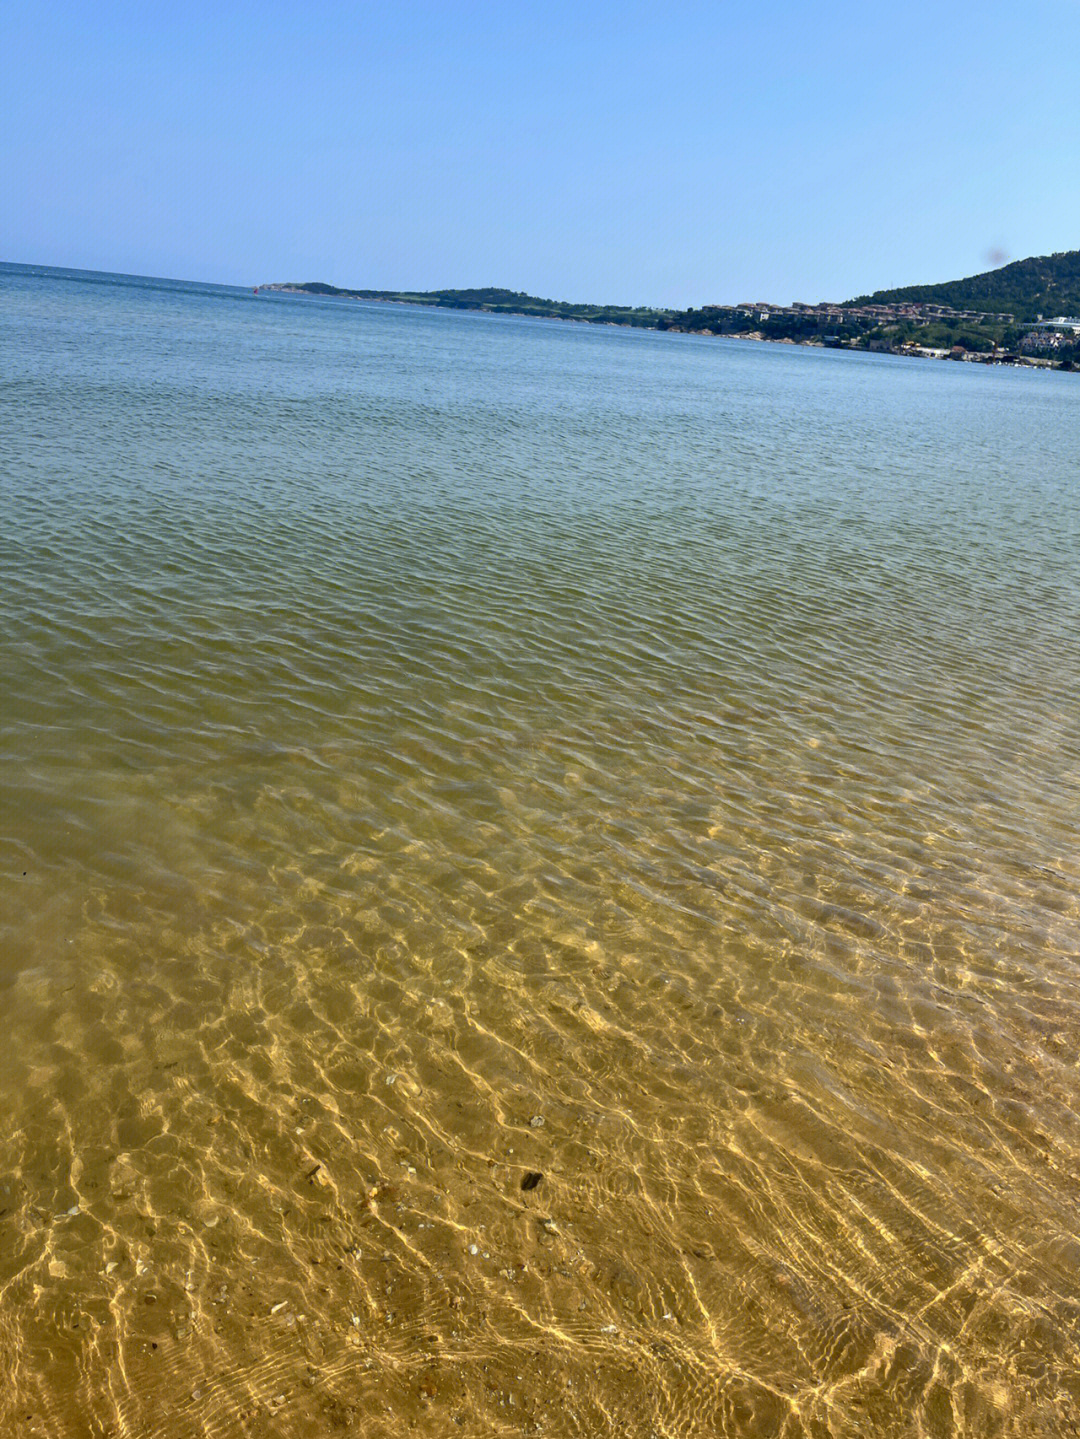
x,y
1045,337
1044,342
1050,335
832,314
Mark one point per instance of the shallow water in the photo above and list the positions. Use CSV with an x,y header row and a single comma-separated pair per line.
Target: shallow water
x,y
440,750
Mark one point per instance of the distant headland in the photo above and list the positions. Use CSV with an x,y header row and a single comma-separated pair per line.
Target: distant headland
x,y
1023,313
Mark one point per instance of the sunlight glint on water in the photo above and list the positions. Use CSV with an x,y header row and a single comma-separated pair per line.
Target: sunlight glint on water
x,y
437,751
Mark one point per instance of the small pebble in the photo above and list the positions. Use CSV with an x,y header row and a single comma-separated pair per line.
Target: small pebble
x,y
536,1122
474,1249
531,1179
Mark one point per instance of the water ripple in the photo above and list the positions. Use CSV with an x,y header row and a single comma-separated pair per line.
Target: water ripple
x,y
540,883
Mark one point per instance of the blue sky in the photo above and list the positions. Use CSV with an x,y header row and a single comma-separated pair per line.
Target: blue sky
x,y
646,154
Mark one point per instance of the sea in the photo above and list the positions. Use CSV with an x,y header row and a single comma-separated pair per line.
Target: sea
x,y
539,878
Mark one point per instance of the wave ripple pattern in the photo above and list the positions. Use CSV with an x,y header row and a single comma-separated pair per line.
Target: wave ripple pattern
x,y
539,879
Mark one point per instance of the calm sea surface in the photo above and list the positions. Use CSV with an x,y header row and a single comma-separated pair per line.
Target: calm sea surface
x,y
540,879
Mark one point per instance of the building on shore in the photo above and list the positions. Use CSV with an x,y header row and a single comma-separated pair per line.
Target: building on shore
x,y
1062,325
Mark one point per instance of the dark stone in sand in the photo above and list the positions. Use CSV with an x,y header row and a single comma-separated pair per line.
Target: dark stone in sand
x,y
531,1179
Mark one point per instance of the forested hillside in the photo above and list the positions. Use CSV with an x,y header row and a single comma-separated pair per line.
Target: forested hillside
x,y
1045,285
492,301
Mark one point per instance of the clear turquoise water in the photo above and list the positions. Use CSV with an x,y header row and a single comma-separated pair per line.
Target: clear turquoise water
x,y
415,724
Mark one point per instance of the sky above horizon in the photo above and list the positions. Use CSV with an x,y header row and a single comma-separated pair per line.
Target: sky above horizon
x,y
595,152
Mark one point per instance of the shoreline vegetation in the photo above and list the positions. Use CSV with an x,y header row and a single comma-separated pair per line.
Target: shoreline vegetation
x,y
1020,314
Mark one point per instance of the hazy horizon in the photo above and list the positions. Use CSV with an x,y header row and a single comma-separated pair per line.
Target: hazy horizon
x,y
426,289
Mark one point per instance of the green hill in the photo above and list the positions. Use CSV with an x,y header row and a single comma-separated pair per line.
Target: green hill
x,y
492,301
1043,285
1046,285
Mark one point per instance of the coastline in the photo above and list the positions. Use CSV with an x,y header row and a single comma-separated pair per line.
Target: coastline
x,y
918,352
855,346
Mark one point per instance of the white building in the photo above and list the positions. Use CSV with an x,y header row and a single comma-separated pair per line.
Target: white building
x,y
1063,325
